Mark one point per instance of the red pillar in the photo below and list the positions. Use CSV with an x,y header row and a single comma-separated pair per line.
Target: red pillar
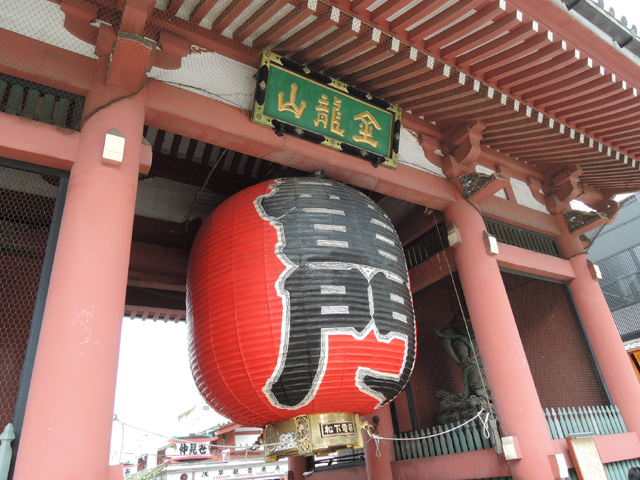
x,y
513,391
67,425
599,326
297,466
378,457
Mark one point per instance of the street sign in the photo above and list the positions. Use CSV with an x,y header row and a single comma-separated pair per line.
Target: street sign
x,y
295,100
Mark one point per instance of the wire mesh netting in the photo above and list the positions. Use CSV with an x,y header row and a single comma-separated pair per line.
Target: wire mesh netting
x,y
448,385
26,207
212,49
558,354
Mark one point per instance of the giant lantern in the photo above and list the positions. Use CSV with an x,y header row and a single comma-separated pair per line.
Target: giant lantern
x,y
300,313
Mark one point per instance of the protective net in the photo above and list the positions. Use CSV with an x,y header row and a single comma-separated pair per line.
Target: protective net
x,y
27,203
558,354
448,386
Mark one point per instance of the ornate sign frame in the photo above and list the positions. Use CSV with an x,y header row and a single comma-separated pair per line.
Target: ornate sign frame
x,y
295,100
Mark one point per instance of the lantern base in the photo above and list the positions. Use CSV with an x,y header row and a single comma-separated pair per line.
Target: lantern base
x,y
315,434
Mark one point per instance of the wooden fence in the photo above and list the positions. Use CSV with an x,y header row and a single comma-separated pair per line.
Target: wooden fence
x,y
600,420
615,470
446,439
468,438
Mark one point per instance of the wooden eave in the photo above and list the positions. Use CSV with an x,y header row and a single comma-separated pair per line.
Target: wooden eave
x,y
544,102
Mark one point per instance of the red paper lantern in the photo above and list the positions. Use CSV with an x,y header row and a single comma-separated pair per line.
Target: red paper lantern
x,y
298,302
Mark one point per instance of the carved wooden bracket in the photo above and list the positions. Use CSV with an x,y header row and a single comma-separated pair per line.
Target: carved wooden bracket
x,y
135,14
130,54
463,151
480,186
563,188
536,188
580,222
129,60
467,143
609,207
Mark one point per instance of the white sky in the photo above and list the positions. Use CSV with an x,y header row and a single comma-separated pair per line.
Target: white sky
x,y
154,380
154,385
628,8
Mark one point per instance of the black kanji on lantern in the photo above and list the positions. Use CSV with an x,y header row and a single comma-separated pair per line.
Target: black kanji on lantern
x,y
346,275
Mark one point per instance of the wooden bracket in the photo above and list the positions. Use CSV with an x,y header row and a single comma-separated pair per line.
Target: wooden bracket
x,y
463,151
563,188
477,187
580,222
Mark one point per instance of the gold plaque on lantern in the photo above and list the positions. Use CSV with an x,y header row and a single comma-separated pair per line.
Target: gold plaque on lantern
x,y
315,434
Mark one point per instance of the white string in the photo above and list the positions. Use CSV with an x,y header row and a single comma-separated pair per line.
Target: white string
x,y
378,437
485,426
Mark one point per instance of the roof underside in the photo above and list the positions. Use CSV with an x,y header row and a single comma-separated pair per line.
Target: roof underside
x,y
449,62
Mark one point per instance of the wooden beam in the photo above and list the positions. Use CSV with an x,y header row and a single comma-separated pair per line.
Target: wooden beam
x,y
55,147
200,118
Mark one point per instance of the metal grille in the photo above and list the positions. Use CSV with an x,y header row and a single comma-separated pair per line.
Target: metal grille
x,y
39,102
426,246
519,237
27,202
559,356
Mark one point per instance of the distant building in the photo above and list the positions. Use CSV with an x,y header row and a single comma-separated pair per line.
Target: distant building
x,y
199,418
616,250
226,450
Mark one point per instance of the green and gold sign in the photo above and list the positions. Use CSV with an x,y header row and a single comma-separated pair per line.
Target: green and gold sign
x,y
295,100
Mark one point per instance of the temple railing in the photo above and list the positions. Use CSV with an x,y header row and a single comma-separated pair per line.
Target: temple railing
x,y
562,422
599,420
7,436
441,440
614,470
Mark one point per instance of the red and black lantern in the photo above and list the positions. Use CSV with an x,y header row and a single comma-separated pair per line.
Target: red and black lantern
x,y
298,302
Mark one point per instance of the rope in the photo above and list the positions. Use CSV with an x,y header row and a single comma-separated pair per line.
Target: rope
x,y
377,437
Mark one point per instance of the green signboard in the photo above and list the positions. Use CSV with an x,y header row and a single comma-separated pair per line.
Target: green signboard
x,y
295,100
